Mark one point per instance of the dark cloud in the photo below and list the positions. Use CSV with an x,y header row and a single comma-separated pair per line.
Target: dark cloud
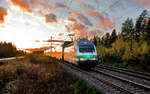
x,y
83,4
23,4
3,14
81,17
96,1
61,5
44,5
51,18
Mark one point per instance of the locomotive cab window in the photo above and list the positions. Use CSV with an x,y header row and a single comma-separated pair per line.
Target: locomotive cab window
x,y
86,48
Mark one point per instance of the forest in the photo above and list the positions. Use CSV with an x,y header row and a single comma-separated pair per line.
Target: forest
x,y
9,50
128,47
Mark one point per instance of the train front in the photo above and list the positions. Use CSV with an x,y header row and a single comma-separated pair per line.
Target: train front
x,y
86,54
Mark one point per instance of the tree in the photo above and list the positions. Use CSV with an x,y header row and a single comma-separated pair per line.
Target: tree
x,y
99,40
147,31
118,46
7,50
95,40
140,25
127,29
107,40
103,41
113,36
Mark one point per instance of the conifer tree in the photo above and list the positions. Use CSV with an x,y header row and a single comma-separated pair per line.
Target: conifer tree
x,y
113,36
140,24
127,29
147,32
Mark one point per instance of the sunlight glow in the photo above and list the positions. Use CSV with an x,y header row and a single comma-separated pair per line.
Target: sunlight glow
x,y
20,28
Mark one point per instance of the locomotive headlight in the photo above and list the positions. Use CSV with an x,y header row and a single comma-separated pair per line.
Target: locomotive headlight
x,y
76,59
94,58
81,59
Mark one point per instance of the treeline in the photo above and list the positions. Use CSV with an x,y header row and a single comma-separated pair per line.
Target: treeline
x,y
130,46
9,50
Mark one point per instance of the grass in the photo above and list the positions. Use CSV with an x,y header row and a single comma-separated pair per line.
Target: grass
x,y
35,76
132,66
80,87
38,74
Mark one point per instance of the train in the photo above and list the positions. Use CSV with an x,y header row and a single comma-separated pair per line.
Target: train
x,y
80,53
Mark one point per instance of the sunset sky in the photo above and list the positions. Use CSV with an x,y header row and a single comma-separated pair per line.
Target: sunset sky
x,y
23,21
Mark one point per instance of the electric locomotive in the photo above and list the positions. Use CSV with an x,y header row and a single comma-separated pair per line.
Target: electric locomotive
x,y
81,53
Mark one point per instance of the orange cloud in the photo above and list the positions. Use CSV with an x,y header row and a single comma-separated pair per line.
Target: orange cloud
x,y
78,27
23,4
81,31
100,20
60,34
67,28
94,14
72,20
81,17
51,18
39,11
144,2
39,6
3,13
105,23
93,33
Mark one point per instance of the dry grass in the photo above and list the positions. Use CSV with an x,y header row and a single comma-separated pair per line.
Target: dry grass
x,y
36,74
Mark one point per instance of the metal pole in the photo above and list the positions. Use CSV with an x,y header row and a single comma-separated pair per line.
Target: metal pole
x,y
63,52
51,46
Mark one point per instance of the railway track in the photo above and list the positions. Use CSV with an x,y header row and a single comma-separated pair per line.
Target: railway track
x,y
100,81
142,75
129,85
135,77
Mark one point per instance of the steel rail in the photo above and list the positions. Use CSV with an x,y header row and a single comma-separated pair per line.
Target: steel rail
x,y
124,80
145,77
141,73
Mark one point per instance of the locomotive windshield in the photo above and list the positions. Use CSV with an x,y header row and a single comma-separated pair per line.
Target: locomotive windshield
x,y
86,48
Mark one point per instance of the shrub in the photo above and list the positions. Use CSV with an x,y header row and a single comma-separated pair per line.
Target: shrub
x,y
81,87
93,90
